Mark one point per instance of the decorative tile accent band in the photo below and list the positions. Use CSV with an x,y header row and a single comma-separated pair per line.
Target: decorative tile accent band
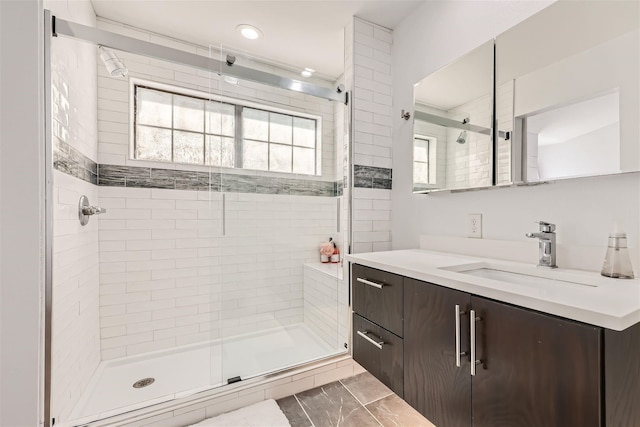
x,y
371,177
130,176
72,162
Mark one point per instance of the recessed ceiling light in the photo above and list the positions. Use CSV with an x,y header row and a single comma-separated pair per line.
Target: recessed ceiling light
x,y
249,31
307,72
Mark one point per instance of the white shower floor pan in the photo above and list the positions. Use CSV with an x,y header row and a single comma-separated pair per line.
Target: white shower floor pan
x,y
183,371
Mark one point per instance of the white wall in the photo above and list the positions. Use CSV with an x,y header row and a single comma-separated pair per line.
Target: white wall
x,y
597,152
583,209
22,204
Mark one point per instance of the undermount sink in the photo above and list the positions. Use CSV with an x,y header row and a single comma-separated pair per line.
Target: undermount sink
x,y
526,276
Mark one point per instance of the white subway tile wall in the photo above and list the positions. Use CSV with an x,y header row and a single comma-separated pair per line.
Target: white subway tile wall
x,y
371,220
169,277
75,322
367,62
75,328
470,164
326,303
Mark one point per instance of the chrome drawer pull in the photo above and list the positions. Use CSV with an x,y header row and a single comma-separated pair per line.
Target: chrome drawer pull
x,y
458,352
378,344
370,283
472,326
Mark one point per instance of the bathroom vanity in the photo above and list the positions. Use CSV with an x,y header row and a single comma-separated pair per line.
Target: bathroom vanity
x,y
478,342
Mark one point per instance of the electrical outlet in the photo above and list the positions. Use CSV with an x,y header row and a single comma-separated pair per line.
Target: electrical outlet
x,y
474,226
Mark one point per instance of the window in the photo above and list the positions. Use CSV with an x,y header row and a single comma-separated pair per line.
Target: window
x,y
180,128
422,147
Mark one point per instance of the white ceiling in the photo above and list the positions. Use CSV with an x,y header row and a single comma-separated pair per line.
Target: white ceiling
x,y
297,33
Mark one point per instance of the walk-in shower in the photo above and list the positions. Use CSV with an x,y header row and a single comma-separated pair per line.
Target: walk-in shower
x,y
202,268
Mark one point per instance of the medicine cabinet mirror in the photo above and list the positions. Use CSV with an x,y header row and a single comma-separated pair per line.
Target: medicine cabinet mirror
x,y
567,84
453,115
574,70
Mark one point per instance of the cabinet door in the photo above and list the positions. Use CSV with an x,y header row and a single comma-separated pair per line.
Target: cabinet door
x,y
383,361
377,295
537,370
433,384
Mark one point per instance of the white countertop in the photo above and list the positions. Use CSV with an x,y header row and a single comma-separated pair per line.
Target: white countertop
x,y
609,303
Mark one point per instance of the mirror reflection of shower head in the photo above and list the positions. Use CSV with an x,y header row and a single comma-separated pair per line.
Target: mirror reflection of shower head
x,y
114,65
462,138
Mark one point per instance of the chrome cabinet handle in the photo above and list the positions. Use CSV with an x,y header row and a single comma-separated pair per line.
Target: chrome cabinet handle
x,y
378,344
458,352
472,325
370,283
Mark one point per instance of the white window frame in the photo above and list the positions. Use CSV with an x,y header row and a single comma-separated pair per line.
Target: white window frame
x,y
133,82
432,144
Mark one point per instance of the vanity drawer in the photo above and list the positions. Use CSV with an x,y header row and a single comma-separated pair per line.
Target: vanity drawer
x,y
377,296
380,352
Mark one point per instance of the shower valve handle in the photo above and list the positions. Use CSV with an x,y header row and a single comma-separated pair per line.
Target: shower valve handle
x,y
93,210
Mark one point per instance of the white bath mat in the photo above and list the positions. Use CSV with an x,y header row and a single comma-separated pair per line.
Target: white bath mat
x,y
263,414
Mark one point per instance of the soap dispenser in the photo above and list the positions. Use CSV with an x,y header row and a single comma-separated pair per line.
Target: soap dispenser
x,y
616,262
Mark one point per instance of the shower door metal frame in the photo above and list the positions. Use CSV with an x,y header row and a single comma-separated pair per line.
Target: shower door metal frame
x,y
48,220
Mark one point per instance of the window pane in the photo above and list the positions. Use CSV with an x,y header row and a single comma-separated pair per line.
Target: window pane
x,y
220,119
420,150
280,158
188,113
304,160
153,107
255,155
280,130
213,150
228,152
153,144
255,124
304,132
421,173
220,151
188,147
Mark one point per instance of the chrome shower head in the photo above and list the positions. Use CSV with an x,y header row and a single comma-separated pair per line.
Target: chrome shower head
x,y
462,138
114,65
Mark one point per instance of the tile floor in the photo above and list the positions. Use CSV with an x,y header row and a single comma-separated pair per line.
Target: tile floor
x,y
358,401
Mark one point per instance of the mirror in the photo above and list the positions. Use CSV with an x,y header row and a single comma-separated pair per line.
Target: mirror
x,y
567,86
453,115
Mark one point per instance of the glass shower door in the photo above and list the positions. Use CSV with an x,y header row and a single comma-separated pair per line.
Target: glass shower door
x,y
279,305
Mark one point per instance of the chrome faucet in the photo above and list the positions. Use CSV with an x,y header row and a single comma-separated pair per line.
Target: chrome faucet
x,y
547,244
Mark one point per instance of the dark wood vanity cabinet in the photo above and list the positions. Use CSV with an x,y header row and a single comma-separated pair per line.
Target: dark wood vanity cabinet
x,y
378,324
433,384
534,369
377,296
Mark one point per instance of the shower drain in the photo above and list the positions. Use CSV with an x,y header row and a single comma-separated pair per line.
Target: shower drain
x,y
143,382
